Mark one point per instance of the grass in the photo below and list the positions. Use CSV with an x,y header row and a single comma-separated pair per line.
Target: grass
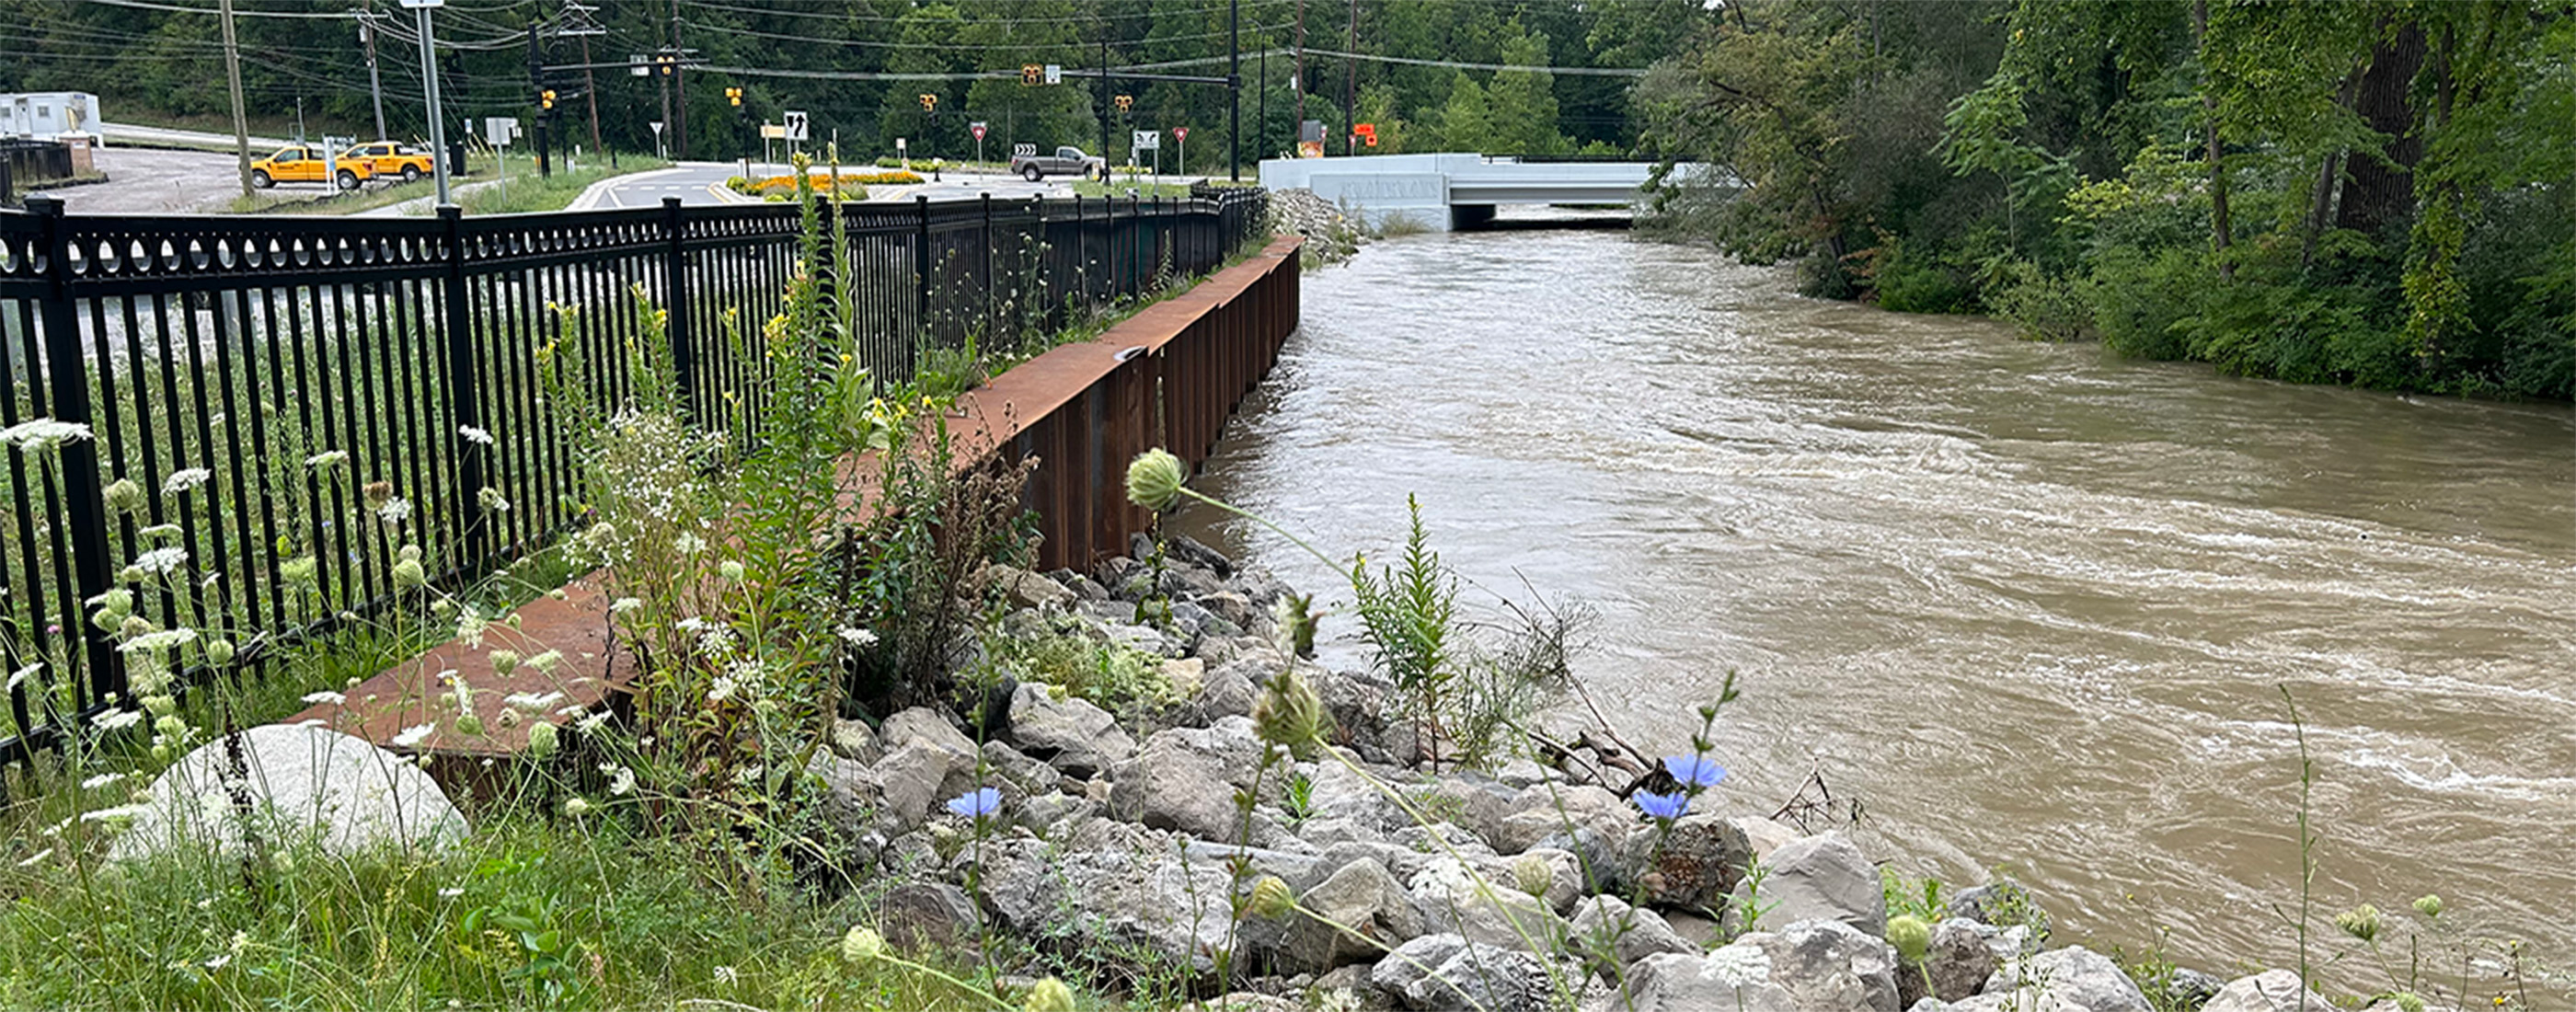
x,y
302,199
529,192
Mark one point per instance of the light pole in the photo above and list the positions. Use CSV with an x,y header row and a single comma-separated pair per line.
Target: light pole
x,y
429,84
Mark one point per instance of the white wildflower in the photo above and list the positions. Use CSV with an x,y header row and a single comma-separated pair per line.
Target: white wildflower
x,y
327,459
161,642
474,435
394,511
624,604
621,781
184,480
591,723
161,561
469,626
858,637
716,642
689,544
690,624
42,435
451,892
118,720
725,975
20,676
413,735
219,962
722,690
492,501
119,813
101,780
162,531
531,700
325,696
545,662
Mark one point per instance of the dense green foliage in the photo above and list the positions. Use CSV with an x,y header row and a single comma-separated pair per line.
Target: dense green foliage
x,y
2358,193
150,63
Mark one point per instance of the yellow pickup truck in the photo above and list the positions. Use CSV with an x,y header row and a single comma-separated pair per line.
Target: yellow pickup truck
x,y
388,160
303,163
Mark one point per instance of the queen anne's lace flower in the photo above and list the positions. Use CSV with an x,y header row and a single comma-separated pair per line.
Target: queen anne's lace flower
x,y
183,480
162,561
43,435
475,435
394,511
413,735
327,459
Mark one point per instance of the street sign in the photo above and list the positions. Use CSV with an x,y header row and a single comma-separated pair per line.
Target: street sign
x,y
1024,150
1181,134
418,4
772,132
1149,140
657,127
976,128
1055,73
497,130
795,125
639,65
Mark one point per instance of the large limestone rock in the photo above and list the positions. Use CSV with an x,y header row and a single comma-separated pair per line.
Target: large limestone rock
x,y
1360,897
1812,966
1546,810
2072,979
1960,959
1024,589
307,786
2268,991
1101,895
1610,933
1695,865
1488,909
1449,972
1071,733
1184,778
1821,877
924,915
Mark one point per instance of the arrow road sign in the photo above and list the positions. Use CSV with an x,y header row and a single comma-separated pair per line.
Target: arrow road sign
x,y
795,120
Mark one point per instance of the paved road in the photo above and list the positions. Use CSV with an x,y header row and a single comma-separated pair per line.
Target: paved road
x,y
702,184
147,181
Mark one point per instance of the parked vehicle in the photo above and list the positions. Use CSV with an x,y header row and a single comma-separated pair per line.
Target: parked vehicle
x,y
386,159
303,163
1066,161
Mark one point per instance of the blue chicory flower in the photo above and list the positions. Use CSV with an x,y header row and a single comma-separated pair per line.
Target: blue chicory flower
x,y
1694,771
1663,806
976,804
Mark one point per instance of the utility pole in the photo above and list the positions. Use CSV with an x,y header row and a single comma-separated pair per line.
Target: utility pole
x,y
1104,103
545,100
589,82
1234,91
375,81
1261,119
1301,71
1351,86
437,116
680,87
232,79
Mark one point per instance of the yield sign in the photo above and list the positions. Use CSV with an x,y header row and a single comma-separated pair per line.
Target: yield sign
x,y
1180,133
977,128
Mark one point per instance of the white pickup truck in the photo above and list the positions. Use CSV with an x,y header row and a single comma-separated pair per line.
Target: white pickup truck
x,y
1067,161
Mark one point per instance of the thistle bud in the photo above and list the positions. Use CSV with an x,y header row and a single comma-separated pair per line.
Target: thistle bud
x,y
2429,905
541,740
1290,715
862,945
409,576
160,705
134,626
1271,898
469,725
1154,480
2361,922
1911,937
124,496
219,651
504,662
1048,995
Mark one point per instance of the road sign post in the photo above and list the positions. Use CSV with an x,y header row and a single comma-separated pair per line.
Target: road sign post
x,y
977,128
1182,135
429,85
1149,140
795,122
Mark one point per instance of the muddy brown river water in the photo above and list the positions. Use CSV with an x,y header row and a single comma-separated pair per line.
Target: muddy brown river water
x,y
2033,603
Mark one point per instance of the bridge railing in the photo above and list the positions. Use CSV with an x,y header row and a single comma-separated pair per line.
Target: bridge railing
x,y
273,405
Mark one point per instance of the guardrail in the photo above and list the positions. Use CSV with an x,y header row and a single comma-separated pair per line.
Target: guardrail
x,y
274,403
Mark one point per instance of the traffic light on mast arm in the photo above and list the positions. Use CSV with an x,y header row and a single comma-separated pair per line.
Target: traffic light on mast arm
x,y
546,99
734,96
1126,102
1032,74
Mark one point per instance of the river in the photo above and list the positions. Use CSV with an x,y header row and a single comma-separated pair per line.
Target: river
x,y
2034,604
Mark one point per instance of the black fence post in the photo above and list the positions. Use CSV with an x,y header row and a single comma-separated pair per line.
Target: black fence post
x,y
84,497
464,397
987,201
921,269
675,307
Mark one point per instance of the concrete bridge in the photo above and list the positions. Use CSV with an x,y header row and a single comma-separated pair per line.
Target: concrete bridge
x,y
1447,191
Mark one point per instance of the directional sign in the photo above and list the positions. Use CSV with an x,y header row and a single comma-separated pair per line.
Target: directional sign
x,y
415,4
1055,73
976,128
1149,140
795,125
497,130
1024,150
772,132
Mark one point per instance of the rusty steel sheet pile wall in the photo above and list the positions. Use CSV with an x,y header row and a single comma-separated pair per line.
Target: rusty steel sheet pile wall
x,y
1168,377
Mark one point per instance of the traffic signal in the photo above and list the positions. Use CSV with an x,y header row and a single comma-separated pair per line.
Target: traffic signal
x,y
1126,102
734,95
929,102
665,63
1031,74
546,99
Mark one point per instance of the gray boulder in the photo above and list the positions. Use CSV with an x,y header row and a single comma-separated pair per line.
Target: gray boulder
x,y
1412,961
1184,778
926,915
855,740
2003,903
1229,691
308,785
1813,966
1024,589
1960,958
2072,979
1610,933
1069,733
1544,811
2268,991
912,781
1372,910
1693,866
1483,907
929,728
1020,775
1104,895
1821,877
1473,976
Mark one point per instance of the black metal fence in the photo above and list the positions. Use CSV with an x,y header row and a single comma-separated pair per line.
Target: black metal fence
x,y
273,405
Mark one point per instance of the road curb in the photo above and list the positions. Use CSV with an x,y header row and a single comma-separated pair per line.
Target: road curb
x,y
590,195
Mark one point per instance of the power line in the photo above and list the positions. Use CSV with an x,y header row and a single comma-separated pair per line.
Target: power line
x,y
1461,65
